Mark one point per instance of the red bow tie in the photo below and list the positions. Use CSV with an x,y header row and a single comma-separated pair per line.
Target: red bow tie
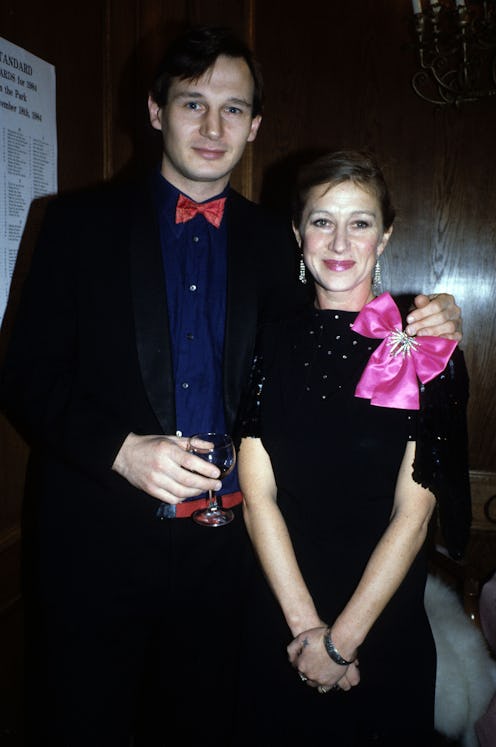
x,y
187,209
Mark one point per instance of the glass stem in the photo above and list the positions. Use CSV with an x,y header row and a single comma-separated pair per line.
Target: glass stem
x,y
212,501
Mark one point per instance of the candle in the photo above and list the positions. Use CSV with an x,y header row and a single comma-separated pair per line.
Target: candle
x,y
417,6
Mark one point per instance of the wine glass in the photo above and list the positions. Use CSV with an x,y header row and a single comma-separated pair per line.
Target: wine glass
x,y
222,453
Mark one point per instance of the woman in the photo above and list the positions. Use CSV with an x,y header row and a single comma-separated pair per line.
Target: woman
x,y
336,519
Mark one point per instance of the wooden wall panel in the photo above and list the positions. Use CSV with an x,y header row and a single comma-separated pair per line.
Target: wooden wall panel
x,y
69,36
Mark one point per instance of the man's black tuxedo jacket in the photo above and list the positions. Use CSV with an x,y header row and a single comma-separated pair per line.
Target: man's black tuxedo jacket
x,y
89,360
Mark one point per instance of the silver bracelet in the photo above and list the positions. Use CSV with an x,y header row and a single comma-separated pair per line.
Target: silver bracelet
x,y
332,650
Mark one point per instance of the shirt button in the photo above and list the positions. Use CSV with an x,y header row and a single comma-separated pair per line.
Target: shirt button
x,y
196,239
185,385
179,433
190,336
192,287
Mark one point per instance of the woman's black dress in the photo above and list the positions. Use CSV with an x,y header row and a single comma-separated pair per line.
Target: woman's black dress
x,y
336,459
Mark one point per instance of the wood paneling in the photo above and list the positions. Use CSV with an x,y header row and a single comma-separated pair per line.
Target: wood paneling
x,y
469,574
483,486
71,37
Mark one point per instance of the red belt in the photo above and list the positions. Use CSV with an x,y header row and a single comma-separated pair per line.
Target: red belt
x,y
186,508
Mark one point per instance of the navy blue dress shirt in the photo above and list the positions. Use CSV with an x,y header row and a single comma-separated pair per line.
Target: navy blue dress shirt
x,y
195,265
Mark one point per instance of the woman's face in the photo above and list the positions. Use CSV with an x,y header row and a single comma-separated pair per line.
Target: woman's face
x,y
341,235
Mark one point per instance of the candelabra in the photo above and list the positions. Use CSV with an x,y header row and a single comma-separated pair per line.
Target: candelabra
x,y
457,50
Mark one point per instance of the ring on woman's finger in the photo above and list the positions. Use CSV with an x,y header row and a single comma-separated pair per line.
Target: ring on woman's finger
x,y
302,677
323,690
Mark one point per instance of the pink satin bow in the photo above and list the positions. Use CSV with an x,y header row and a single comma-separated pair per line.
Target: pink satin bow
x,y
390,378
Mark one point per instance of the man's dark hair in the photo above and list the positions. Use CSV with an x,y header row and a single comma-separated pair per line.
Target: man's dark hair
x,y
194,52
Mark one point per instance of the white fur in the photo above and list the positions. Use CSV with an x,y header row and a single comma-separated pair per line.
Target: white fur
x,y
466,672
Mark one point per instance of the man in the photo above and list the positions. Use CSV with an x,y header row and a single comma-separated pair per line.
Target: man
x,y
136,330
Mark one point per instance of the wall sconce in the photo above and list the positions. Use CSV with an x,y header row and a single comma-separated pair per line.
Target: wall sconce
x,y
456,41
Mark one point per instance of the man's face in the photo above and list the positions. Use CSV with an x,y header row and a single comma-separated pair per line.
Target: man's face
x,y
205,126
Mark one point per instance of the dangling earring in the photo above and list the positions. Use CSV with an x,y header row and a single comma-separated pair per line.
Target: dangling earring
x,y
302,277
377,279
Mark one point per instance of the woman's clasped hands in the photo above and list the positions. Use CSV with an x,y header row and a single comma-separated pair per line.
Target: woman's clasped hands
x,y
308,655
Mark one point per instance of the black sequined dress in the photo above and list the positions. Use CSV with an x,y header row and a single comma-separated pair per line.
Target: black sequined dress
x,y
335,459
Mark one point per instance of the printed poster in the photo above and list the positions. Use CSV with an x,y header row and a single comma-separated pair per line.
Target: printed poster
x,y
28,148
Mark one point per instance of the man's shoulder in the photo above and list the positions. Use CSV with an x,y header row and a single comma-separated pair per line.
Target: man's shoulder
x,y
240,202
103,194
255,219
99,210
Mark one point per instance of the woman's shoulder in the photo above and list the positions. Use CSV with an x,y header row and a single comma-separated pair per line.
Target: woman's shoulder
x,y
284,327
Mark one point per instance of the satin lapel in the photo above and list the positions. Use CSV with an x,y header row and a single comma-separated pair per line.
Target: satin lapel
x,y
241,310
150,312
